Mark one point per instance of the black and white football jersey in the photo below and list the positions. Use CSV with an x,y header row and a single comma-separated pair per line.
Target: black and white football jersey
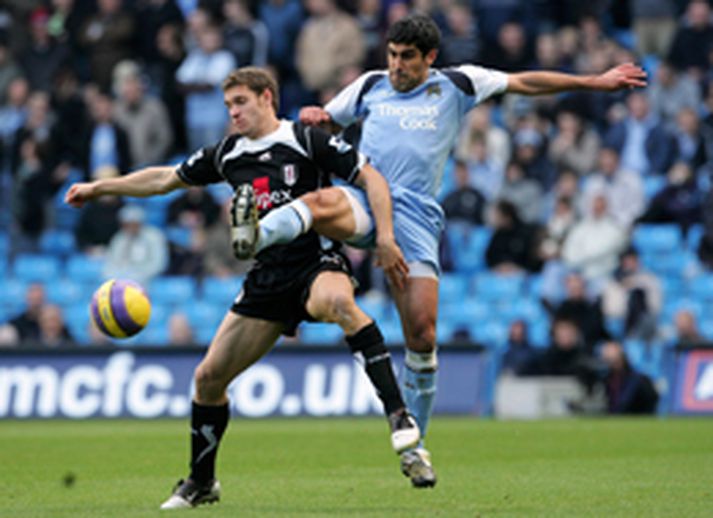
x,y
282,166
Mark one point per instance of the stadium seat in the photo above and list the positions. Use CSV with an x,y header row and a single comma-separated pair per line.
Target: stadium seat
x,y
321,334
494,287
86,269
467,244
489,333
653,184
693,237
701,288
12,294
179,236
465,312
666,264
65,292
36,268
4,245
453,287
649,238
372,306
57,242
219,290
173,290
671,307
203,313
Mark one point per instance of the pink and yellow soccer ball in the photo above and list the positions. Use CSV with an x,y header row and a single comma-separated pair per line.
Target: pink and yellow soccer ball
x,y
120,308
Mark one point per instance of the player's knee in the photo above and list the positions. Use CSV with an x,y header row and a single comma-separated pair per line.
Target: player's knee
x,y
422,335
210,384
323,204
337,307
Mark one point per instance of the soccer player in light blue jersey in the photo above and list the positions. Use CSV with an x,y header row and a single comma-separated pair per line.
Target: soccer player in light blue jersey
x,y
411,115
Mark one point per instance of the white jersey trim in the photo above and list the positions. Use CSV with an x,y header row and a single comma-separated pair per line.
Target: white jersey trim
x,y
282,135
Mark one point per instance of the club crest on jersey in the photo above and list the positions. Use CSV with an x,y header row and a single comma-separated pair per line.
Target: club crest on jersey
x,y
433,90
289,174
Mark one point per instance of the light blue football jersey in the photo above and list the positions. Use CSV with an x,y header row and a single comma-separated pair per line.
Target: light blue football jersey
x,y
407,137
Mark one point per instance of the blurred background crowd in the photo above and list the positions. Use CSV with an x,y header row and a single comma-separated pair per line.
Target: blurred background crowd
x,y
573,220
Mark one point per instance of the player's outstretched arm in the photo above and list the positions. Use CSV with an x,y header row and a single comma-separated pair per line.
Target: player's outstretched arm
x,y
388,254
318,116
140,184
627,75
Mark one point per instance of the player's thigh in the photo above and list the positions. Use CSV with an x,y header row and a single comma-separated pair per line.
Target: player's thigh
x,y
418,309
331,299
332,213
239,342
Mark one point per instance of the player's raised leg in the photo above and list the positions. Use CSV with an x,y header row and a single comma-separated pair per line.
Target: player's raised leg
x,y
331,299
239,342
418,305
327,210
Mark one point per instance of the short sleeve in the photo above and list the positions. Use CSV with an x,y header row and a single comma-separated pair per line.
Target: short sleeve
x,y
334,155
200,168
345,107
486,81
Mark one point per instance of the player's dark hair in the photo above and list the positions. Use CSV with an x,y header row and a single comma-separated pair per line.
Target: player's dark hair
x,y
418,30
256,79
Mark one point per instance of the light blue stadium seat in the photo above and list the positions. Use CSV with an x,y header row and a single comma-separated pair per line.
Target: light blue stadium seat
x,y
12,293
319,333
64,292
671,307
180,236
706,328
492,333
203,313
672,286
86,269
693,237
653,184
372,306
539,334
467,244
57,242
666,263
154,335
173,290
36,268
219,290
493,287
701,287
453,287
391,329
4,245
465,312
648,238
77,318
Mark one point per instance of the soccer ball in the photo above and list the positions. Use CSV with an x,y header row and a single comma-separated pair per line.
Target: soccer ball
x,y
120,308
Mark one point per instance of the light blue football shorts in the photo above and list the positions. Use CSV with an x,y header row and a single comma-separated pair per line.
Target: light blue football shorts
x,y
418,225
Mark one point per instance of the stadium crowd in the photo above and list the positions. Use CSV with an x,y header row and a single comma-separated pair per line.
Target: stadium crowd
x,y
573,220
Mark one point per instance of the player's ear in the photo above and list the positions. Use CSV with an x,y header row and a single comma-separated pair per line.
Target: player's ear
x,y
431,56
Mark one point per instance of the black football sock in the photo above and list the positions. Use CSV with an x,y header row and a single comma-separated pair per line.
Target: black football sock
x,y
207,426
369,342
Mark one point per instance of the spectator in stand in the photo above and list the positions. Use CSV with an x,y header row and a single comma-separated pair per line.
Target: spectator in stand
x,y
485,173
531,153
138,252
654,24
679,202
329,43
370,22
510,53
687,332
577,307
9,336
13,114
53,331
566,186
548,55
644,145
9,69
566,355
180,332
693,39
513,246
98,222
558,226
465,203
169,42
43,58
31,188
460,44
27,323
671,92
107,37
623,188
283,19
72,118
105,142
246,37
64,24
519,351
691,146
575,146
594,244
143,118
151,16
628,391
634,296
524,193
200,76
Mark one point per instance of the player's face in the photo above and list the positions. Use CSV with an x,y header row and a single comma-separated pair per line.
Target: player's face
x,y
408,67
248,111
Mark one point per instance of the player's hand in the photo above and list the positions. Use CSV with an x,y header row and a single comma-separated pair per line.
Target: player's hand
x,y
391,259
314,116
627,75
79,193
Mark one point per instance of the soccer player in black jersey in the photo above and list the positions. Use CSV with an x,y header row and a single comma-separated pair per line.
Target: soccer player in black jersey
x,y
271,162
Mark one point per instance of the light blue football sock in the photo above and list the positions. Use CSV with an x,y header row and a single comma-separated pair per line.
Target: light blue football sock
x,y
284,224
418,384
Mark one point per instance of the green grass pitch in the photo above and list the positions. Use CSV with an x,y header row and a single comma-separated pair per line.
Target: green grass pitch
x,y
344,467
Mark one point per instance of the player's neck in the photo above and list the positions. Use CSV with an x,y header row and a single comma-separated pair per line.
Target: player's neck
x,y
270,126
